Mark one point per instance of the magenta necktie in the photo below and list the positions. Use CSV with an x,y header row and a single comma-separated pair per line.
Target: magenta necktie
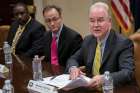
x,y
54,56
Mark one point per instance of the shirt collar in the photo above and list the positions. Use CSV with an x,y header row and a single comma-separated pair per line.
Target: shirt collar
x,y
59,32
103,41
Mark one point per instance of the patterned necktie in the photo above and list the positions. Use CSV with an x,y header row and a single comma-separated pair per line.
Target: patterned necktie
x,y
17,36
97,60
54,56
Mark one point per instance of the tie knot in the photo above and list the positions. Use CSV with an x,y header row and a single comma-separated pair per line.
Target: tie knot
x,y
99,44
54,37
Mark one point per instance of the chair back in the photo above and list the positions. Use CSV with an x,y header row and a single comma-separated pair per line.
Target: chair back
x,y
136,40
3,33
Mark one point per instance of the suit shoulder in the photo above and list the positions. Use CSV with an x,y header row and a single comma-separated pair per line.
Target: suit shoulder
x,y
36,23
47,34
14,23
89,37
120,37
71,32
123,40
88,40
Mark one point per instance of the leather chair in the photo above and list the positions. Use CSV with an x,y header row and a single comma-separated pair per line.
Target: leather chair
x,y
3,33
136,40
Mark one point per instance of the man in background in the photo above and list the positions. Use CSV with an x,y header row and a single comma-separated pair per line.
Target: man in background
x,y
25,33
60,41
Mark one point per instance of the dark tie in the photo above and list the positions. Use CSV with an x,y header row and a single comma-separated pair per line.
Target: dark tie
x,y
54,56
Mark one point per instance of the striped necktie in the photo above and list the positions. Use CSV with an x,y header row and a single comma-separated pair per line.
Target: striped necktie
x,y
97,60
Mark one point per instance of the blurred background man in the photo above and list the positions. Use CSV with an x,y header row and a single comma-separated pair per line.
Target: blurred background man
x,y
25,33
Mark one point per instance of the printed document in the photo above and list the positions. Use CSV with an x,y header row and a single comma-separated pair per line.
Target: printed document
x,y
63,81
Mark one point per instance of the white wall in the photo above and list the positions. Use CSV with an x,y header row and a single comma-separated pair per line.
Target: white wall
x,y
39,8
75,13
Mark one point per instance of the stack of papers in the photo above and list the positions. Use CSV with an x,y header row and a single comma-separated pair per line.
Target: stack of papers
x,y
3,71
63,82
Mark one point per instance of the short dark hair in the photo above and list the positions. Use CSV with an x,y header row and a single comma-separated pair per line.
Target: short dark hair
x,y
21,4
49,7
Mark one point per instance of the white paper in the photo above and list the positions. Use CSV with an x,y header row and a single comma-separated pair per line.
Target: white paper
x,y
0,91
63,82
3,69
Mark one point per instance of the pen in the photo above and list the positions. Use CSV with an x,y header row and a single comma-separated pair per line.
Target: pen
x,y
53,77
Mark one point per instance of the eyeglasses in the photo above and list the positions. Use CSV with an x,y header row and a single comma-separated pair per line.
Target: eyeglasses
x,y
54,19
99,20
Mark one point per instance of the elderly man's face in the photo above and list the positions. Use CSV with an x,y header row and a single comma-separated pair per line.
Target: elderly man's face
x,y
21,14
53,19
99,22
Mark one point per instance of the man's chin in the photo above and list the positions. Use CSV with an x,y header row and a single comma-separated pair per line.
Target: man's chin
x,y
54,31
97,35
21,23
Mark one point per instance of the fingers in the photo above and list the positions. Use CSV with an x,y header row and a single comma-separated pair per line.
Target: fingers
x,y
92,83
96,81
82,73
74,73
42,58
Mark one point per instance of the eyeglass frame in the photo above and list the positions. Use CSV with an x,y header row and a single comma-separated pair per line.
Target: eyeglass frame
x,y
99,20
53,19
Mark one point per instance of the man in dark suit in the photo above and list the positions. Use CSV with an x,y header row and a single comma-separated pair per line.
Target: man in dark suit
x,y
116,51
25,33
68,41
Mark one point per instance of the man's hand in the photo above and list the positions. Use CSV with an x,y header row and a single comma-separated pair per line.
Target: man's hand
x,y
75,72
96,81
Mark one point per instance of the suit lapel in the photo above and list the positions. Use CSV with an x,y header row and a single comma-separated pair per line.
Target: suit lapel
x,y
61,42
25,32
91,53
49,40
22,35
108,47
47,47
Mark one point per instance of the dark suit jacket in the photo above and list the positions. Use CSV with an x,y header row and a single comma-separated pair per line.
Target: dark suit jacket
x,y
69,42
117,58
28,43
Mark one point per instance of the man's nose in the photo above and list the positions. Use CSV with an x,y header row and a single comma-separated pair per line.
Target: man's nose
x,y
96,23
19,16
51,22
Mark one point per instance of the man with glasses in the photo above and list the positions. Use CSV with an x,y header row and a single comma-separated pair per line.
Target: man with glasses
x,y
60,41
25,33
103,50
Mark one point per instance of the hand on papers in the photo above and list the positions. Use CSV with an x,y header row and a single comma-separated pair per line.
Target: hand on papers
x,y
95,82
75,72
63,82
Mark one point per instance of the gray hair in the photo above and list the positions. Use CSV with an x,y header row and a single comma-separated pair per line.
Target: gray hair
x,y
102,5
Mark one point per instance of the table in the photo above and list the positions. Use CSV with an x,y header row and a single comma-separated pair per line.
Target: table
x,y
22,73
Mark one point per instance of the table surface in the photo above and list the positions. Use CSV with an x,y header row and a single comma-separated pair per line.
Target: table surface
x,y
22,73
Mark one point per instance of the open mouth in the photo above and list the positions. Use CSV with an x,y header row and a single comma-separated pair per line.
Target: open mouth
x,y
97,31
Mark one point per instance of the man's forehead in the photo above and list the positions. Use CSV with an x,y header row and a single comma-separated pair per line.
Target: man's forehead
x,y
98,12
19,8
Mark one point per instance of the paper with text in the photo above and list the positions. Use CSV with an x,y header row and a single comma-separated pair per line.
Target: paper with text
x,y
63,81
